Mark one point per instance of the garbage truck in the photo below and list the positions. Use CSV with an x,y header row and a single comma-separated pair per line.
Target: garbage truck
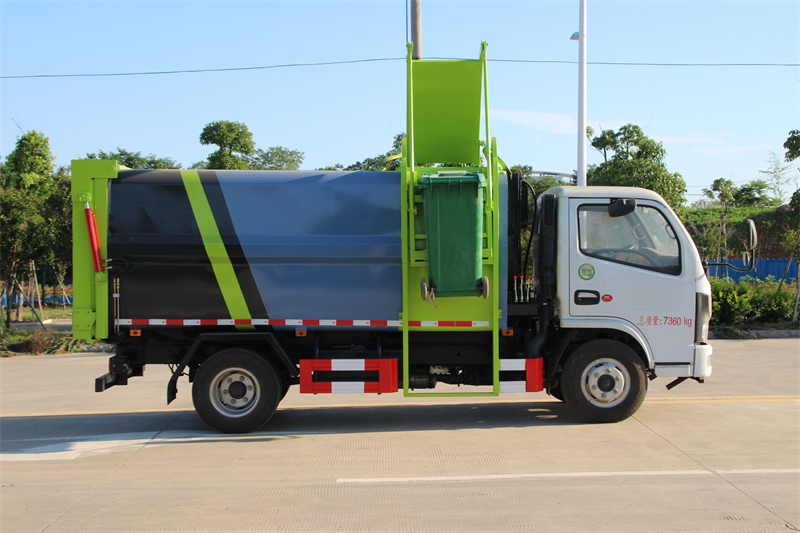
x,y
445,271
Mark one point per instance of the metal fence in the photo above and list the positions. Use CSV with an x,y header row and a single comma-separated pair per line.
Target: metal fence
x,y
764,268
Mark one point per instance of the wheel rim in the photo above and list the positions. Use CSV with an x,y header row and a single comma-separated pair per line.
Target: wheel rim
x,y
605,382
234,392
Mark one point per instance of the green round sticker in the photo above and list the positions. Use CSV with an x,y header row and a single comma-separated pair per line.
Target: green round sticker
x,y
586,271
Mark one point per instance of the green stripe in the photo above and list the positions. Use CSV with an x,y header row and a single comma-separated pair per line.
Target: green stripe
x,y
217,254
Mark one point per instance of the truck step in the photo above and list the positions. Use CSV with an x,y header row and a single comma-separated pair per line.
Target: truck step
x,y
386,368
534,375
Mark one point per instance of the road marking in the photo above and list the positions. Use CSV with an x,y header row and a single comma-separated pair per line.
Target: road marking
x,y
544,399
552,475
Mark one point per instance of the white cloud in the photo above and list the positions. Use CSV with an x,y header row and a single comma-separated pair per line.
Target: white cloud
x,y
690,139
731,150
549,122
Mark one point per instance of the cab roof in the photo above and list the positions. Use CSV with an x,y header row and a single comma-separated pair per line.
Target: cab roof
x,y
605,192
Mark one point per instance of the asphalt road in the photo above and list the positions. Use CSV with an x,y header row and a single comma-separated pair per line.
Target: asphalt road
x,y
722,456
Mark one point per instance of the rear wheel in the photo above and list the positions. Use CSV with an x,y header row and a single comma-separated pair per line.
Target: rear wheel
x,y
236,391
604,381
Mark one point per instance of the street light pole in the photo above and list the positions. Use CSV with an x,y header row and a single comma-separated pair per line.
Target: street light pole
x,y
582,98
416,28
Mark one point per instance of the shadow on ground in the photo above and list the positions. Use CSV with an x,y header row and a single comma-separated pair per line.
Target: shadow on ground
x,y
18,434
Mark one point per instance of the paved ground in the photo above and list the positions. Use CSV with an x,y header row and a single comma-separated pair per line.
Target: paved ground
x,y
724,456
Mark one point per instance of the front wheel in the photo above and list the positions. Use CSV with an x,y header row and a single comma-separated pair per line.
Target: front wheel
x,y
604,381
236,391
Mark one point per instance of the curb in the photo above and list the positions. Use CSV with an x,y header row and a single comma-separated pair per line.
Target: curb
x,y
763,334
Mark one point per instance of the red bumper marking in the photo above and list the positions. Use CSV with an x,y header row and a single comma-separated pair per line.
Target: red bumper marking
x,y
387,376
534,375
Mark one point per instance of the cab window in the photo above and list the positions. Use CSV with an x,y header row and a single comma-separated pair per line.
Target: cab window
x,y
643,238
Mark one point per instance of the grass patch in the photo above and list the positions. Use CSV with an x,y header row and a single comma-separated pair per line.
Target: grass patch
x,y
54,313
40,342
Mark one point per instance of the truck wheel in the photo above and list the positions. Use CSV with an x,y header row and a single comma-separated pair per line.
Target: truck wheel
x,y
236,391
284,390
604,381
556,392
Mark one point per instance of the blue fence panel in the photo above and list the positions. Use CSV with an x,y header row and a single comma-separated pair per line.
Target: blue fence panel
x,y
764,267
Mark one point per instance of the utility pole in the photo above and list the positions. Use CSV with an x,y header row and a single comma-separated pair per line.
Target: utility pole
x,y
416,28
582,98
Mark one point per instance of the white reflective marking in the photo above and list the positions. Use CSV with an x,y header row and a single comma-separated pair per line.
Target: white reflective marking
x,y
430,323
348,387
512,386
361,322
634,473
260,322
480,324
395,323
157,322
347,364
225,322
294,322
124,322
512,364
191,322
327,322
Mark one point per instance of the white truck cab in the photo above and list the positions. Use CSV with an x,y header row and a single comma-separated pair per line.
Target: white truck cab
x,y
625,265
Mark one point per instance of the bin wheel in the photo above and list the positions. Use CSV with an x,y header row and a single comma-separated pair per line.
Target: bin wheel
x,y
425,292
485,287
236,391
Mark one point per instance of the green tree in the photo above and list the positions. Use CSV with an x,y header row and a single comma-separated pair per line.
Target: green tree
x,y
135,159
776,176
754,193
379,161
539,184
57,207
792,146
29,162
634,160
234,142
276,158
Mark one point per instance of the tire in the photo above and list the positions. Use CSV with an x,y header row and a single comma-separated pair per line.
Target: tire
x,y
556,391
246,408
587,388
285,386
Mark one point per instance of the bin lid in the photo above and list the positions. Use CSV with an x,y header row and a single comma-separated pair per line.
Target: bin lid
x,y
452,178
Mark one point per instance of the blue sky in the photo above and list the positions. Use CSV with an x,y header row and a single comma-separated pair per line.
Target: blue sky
x,y
714,121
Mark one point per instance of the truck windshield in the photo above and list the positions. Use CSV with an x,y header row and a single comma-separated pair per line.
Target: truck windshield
x,y
642,239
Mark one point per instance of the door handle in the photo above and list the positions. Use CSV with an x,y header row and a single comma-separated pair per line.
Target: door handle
x,y
587,297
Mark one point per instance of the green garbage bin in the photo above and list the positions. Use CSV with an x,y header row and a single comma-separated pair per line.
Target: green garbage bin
x,y
453,203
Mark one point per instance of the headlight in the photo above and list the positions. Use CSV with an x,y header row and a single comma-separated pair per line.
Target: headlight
x,y
702,316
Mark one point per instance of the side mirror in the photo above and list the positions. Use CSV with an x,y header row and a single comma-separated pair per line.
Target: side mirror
x,y
621,207
752,237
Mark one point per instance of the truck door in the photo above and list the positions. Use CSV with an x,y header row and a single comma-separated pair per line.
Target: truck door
x,y
635,268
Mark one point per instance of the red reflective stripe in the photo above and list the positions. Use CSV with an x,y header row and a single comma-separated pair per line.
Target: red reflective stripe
x,y
206,322
173,322
139,322
447,324
387,372
344,322
416,323
311,322
378,322
243,322
534,375
277,322
463,323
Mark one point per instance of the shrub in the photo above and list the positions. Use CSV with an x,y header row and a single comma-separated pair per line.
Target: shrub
x,y
749,301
